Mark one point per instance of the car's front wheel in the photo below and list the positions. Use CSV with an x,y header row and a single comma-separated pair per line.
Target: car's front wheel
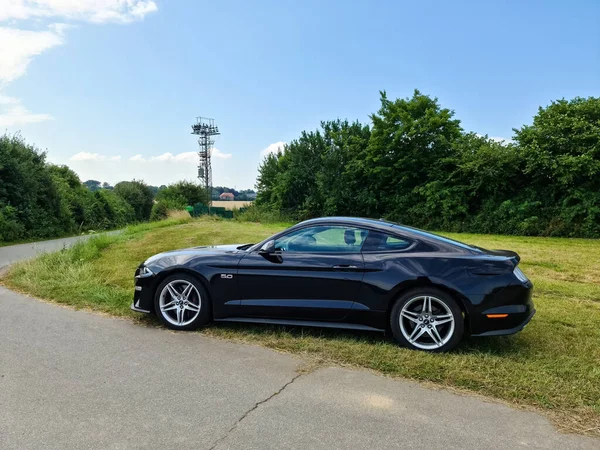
x,y
427,319
181,302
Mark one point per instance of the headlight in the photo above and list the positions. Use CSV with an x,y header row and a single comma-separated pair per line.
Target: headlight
x,y
144,272
520,275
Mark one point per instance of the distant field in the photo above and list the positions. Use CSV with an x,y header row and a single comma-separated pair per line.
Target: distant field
x,y
551,365
232,203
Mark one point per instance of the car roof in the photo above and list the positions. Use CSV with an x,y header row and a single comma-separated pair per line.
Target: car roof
x,y
357,221
385,225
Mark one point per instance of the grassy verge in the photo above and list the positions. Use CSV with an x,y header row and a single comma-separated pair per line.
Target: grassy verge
x,y
553,365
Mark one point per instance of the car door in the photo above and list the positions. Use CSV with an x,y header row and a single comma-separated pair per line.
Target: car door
x,y
314,273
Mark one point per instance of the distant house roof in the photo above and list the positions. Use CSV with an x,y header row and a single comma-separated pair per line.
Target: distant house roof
x,y
226,196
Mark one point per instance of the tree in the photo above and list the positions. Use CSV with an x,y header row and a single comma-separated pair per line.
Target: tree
x,y
138,195
30,202
482,174
561,156
561,149
411,144
182,194
267,179
93,185
416,165
118,212
341,181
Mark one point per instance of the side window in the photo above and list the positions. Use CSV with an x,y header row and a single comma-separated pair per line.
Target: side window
x,y
323,239
382,242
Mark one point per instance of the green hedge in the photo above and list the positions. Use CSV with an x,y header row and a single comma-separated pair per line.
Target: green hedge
x,y
41,200
416,165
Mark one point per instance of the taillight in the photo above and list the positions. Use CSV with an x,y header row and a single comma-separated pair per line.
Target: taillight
x,y
520,275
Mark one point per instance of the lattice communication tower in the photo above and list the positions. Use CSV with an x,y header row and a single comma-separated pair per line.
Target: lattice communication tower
x,y
205,129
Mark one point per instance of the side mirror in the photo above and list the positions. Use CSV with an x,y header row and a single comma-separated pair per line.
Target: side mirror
x,y
268,247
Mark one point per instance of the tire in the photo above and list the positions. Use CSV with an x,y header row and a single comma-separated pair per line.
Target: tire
x,y
178,312
438,328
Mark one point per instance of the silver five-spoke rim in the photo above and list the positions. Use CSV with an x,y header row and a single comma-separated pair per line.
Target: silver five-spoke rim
x,y
180,302
426,322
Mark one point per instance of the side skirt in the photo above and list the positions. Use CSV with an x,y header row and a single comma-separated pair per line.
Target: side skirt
x,y
301,323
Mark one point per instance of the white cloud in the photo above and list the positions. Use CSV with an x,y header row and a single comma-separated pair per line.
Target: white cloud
x,y
500,140
86,156
163,157
98,11
216,153
13,113
19,46
185,157
273,148
156,170
188,157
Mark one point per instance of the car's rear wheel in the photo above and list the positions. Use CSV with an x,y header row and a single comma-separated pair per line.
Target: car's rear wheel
x,y
181,302
427,319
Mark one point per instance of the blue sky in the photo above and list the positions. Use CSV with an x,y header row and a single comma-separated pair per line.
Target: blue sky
x,y
99,83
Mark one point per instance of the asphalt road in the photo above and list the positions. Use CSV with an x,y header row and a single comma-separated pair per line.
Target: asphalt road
x,y
14,253
71,379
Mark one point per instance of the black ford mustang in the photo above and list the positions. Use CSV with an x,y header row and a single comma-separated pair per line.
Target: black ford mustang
x,y
343,272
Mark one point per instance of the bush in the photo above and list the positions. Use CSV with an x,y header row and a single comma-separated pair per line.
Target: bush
x,y
27,186
138,195
10,228
182,194
160,211
119,211
41,200
257,213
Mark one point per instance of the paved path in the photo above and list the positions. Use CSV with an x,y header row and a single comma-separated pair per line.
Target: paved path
x,y
13,253
71,379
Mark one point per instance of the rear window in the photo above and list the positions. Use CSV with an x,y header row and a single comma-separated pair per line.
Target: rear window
x,y
440,238
381,242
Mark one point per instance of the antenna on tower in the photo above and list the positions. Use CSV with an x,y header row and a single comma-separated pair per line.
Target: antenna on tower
x,y
205,129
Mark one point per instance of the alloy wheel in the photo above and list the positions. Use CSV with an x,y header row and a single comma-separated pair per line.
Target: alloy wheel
x,y
426,322
180,302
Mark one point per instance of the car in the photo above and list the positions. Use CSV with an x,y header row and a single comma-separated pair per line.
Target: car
x,y
343,272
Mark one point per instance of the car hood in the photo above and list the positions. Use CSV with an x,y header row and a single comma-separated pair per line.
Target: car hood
x,y
193,252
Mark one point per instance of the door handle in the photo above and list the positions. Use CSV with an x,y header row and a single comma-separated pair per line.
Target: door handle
x,y
344,266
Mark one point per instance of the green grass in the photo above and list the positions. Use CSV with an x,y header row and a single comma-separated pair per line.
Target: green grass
x,y
553,365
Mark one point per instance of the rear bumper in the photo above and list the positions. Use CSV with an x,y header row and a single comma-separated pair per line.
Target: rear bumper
x,y
507,331
505,311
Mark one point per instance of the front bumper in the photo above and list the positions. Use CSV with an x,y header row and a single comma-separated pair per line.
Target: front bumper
x,y
136,308
143,295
